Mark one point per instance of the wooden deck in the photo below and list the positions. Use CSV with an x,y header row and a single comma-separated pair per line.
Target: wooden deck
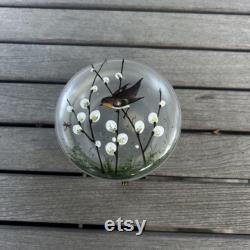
x,y
200,199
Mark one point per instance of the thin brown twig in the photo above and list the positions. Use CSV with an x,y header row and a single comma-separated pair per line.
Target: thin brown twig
x,y
79,123
152,133
117,144
90,121
137,134
97,73
117,122
126,111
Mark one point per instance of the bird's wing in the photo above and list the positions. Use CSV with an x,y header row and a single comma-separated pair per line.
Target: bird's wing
x,y
135,99
130,92
121,89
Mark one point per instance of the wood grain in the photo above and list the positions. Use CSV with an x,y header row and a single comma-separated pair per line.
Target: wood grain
x,y
241,6
32,149
225,110
202,109
220,207
29,238
196,155
207,155
28,103
181,67
124,28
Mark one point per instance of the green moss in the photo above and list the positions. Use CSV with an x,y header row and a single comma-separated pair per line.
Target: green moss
x,y
82,160
125,170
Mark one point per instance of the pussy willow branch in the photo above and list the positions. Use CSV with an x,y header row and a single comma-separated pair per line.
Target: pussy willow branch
x,y
83,131
137,134
121,84
90,121
117,144
130,121
117,122
97,73
152,133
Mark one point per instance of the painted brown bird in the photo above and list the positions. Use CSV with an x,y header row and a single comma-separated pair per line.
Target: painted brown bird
x,y
123,97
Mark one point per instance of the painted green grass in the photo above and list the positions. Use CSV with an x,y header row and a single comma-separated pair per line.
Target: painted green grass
x,y
125,170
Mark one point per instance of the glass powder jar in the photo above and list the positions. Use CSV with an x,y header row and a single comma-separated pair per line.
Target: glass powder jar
x,y
118,119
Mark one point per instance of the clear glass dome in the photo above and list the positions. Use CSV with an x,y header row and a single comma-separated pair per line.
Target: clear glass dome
x,y
118,119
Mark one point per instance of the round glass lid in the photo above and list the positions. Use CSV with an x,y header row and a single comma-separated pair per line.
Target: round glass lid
x,y
118,119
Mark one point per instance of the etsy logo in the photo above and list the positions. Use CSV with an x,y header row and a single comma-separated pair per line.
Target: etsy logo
x,y
125,225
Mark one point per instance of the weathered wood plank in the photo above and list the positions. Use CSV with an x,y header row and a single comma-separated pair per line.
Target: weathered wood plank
x,y
180,67
124,28
241,6
28,103
202,109
220,207
32,149
228,110
197,155
207,155
27,238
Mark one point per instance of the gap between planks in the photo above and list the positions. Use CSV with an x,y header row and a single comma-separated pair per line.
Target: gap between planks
x,y
178,86
100,228
13,237
112,44
157,178
146,10
132,7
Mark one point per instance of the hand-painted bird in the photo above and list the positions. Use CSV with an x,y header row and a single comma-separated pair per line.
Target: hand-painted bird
x,y
123,97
